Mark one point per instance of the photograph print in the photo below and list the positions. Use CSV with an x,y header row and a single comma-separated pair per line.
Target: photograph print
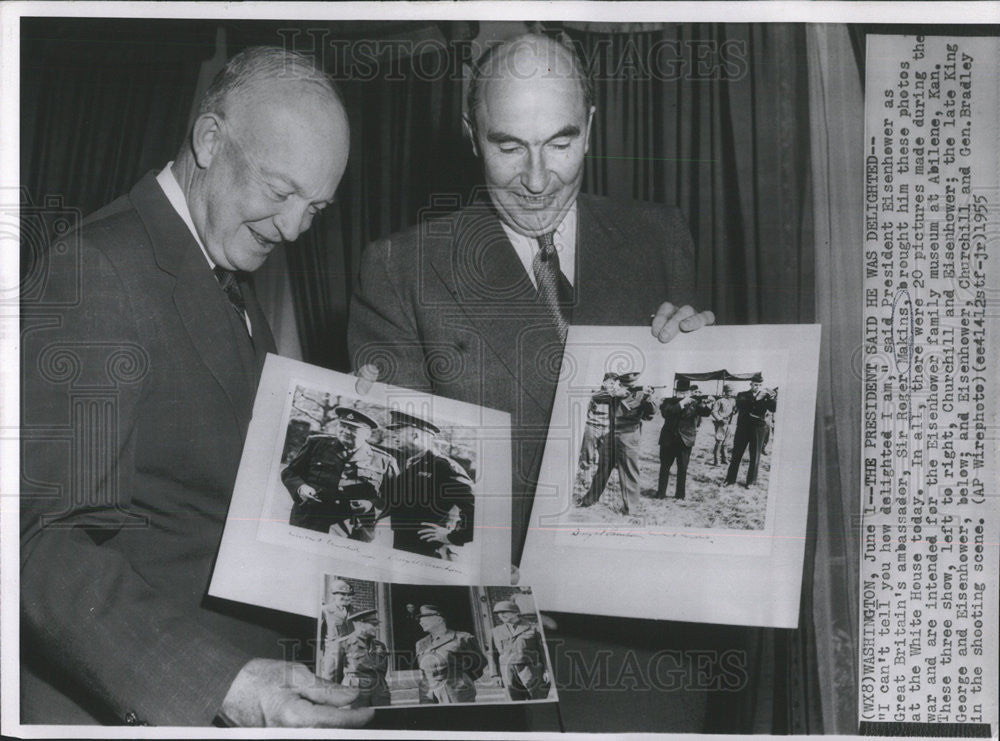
x,y
677,477
362,472
674,448
692,451
366,476
366,480
410,645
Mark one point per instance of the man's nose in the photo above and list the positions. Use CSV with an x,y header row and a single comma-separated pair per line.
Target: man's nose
x,y
293,219
535,176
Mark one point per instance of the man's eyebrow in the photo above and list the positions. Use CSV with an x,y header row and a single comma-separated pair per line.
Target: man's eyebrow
x,y
500,137
276,178
566,131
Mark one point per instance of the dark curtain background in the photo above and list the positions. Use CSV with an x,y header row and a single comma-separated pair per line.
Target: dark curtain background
x,y
713,118
103,102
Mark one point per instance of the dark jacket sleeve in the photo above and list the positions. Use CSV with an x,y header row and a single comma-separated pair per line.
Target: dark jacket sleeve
x,y
83,606
457,492
291,475
474,661
383,320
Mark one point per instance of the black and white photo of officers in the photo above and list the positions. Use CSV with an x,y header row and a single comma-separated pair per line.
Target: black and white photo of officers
x,y
412,645
363,472
691,452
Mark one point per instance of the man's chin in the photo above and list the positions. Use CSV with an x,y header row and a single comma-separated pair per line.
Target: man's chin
x,y
531,224
248,263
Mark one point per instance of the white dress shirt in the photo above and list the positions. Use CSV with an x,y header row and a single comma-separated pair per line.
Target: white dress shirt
x,y
565,242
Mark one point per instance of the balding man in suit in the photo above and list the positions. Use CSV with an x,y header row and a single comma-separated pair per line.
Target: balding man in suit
x,y
148,346
475,305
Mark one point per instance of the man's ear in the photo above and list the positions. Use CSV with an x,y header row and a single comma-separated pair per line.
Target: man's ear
x,y
206,138
590,121
470,132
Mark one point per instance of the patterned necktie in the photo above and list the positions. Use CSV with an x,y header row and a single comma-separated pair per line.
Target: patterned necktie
x,y
227,279
547,274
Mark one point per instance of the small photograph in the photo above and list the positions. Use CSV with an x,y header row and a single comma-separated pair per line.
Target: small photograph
x,y
406,644
689,449
363,472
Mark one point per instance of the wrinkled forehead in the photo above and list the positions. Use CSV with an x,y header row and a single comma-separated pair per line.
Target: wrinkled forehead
x,y
299,134
529,78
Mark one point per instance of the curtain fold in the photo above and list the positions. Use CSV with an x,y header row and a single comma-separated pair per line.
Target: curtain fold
x,y
837,126
727,144
91,131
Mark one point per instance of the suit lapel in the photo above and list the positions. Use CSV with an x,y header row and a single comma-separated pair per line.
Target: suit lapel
x,y
201,305
263,340
492,291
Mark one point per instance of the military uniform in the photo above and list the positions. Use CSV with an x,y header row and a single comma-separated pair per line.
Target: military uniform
x,y
677,436
621,450
597,427
519,657
431,488
450,665
366,665
334,626
339,477
750,427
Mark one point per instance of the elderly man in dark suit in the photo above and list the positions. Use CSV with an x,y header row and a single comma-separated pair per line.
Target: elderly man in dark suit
x,y
431,507
681,415
145,351
475,305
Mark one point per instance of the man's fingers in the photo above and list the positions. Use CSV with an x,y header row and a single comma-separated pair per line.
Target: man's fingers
x,y
515,575
699,320
662,316
328,717
672,324
323,692
367,375
669,320
304,713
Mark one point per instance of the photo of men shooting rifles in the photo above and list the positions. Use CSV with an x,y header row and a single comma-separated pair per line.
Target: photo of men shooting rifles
x,y
689,453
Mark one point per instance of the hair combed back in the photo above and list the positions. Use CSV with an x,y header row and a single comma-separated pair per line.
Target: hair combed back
x,y
492,64
262,64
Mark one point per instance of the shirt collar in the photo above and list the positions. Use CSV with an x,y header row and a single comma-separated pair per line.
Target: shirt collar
x,y
172,190
564,238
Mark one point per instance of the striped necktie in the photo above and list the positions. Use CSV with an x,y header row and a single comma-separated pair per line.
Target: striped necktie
x,y
227,279
548,275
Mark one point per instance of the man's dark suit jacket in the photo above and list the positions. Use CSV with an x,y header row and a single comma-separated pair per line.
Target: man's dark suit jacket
x,y
680,424
447,307
138,381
